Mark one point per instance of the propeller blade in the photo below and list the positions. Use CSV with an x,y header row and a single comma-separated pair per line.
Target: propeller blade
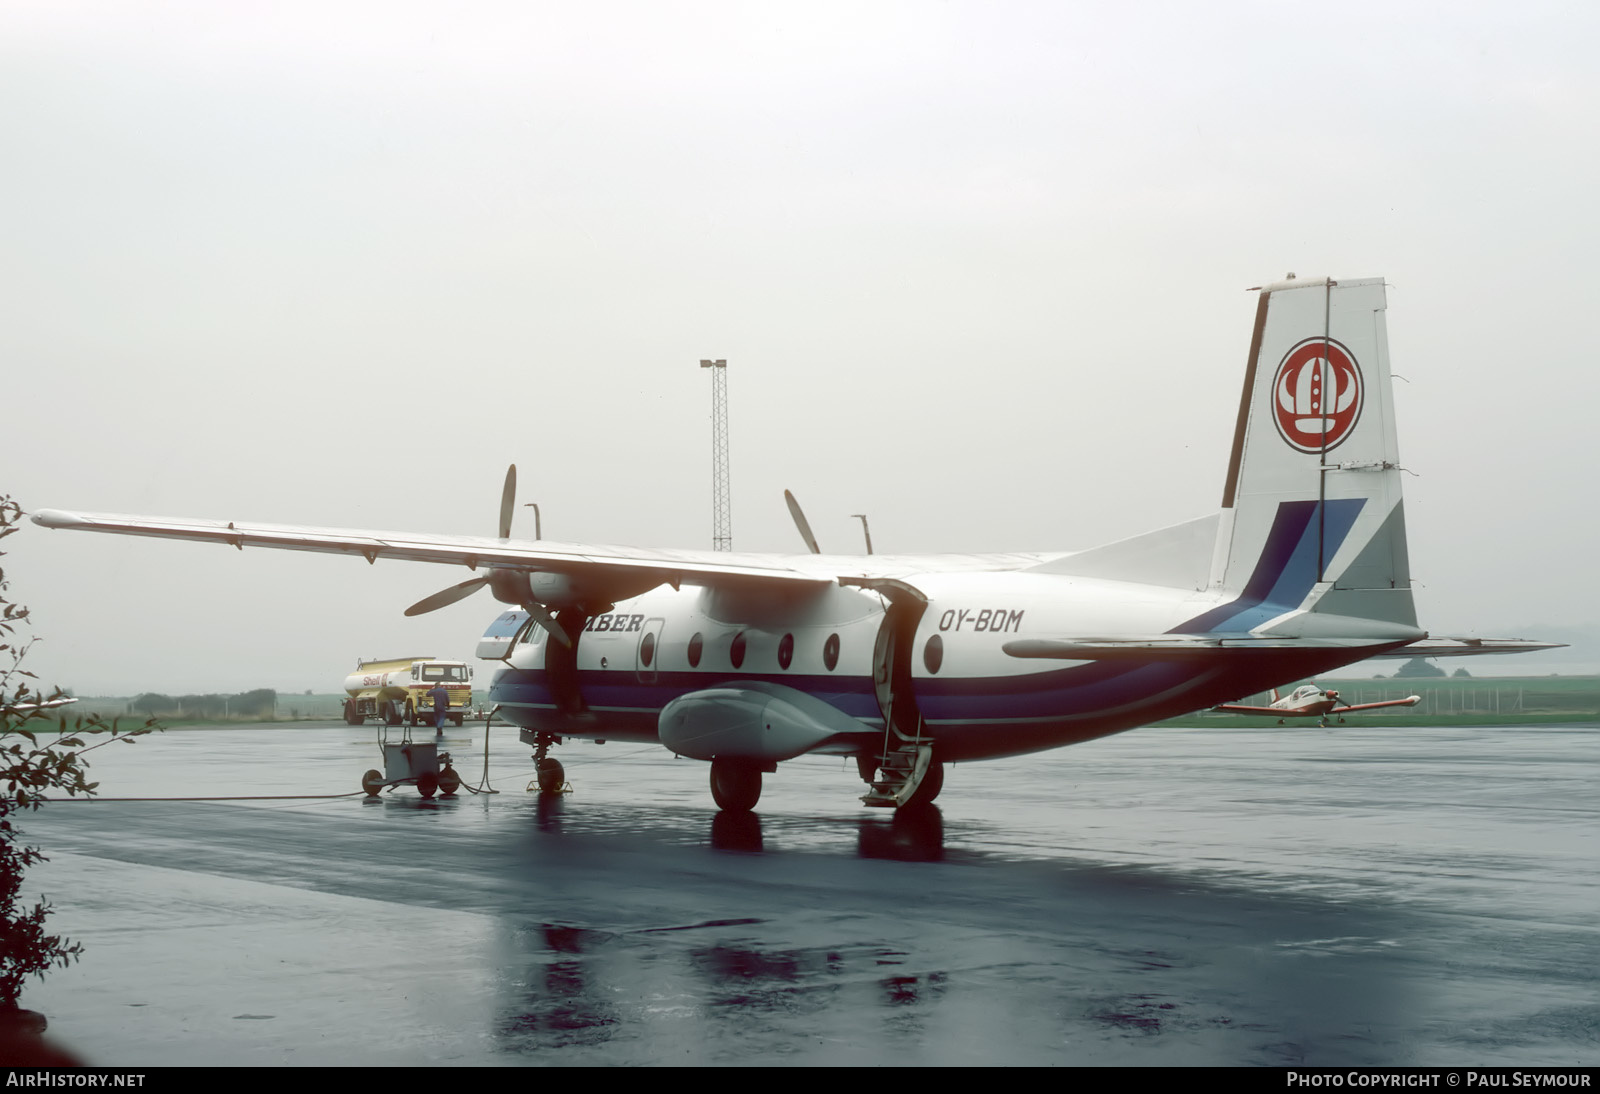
x,y
800,523
508,501
447,596
542,616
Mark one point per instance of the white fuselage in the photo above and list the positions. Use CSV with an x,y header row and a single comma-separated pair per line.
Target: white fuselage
x,y
862,652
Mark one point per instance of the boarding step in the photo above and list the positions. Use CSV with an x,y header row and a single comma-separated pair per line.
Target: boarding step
x,y
899,774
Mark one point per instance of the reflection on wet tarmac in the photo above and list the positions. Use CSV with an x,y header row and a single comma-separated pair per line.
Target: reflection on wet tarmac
x,y
913,834
1161,898
558,1008
735,831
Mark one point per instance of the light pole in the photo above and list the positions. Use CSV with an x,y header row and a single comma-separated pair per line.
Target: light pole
x,y
721,517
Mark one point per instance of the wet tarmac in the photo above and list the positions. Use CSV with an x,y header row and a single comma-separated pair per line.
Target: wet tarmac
x,y
1295,896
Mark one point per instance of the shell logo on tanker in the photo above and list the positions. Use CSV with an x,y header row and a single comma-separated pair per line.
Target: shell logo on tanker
x,y
1317,395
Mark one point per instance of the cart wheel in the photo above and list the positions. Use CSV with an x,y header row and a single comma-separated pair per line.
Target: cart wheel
x,y
449,782
372,782
427,784
552,776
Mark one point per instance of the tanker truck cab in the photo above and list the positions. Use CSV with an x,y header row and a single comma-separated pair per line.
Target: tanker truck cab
x,y
396,690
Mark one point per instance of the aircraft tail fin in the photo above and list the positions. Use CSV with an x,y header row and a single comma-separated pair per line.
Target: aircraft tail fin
x,y
1312,516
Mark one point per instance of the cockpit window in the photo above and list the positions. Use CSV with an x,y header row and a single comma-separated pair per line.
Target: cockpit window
x,y
506,624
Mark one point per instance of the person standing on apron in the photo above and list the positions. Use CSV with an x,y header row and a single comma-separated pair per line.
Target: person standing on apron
x,y
441,707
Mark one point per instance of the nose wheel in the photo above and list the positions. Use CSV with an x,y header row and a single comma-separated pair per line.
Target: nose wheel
x,y
552,777
549,776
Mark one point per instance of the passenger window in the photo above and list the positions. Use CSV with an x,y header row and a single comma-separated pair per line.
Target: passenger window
x,y
736,651
697,645
933,653
785,651
830,652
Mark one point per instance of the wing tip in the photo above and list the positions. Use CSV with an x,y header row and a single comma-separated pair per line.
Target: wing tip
x,y
57,518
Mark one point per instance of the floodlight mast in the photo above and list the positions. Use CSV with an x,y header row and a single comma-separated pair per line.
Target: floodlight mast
x,y
721,508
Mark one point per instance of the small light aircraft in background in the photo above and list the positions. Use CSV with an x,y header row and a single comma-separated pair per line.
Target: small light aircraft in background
x,y
1310,701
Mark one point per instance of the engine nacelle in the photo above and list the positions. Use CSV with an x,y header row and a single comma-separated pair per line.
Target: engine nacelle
x,y
751,721
561,591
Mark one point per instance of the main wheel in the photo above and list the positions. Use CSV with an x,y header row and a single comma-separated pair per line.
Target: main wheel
x,y
391,716
928,789
427,784
372,782
735,784
552,776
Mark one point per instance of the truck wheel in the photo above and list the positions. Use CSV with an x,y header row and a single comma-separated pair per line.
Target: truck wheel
x,y
352,713
411,714
391,717
456,719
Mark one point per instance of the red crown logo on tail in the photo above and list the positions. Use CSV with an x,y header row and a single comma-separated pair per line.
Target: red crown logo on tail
x,y
1317,395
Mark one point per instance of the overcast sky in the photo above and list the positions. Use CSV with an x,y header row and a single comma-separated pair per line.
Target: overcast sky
x,y
978,270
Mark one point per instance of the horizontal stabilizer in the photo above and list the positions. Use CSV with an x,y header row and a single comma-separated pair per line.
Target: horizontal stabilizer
x,y
1173,647
1469,647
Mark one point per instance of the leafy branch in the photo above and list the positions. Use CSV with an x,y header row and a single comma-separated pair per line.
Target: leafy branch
x,y
41,753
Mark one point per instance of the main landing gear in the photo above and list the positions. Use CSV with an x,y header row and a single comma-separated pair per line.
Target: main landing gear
x,y
736,784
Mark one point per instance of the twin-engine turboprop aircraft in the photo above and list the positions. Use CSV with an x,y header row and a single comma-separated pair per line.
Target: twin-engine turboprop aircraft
x,y
1310,701
908,663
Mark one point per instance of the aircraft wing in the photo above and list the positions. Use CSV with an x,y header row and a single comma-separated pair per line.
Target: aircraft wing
x,y
1240,708
31,705
1407,702
625,564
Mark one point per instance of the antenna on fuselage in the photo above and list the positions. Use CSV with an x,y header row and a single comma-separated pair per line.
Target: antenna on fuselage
x,y
862,517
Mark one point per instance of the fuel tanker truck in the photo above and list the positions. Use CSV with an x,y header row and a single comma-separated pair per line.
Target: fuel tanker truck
x,y
396,690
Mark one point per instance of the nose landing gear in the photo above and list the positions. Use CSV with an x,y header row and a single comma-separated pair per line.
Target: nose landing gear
x,y
550,777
